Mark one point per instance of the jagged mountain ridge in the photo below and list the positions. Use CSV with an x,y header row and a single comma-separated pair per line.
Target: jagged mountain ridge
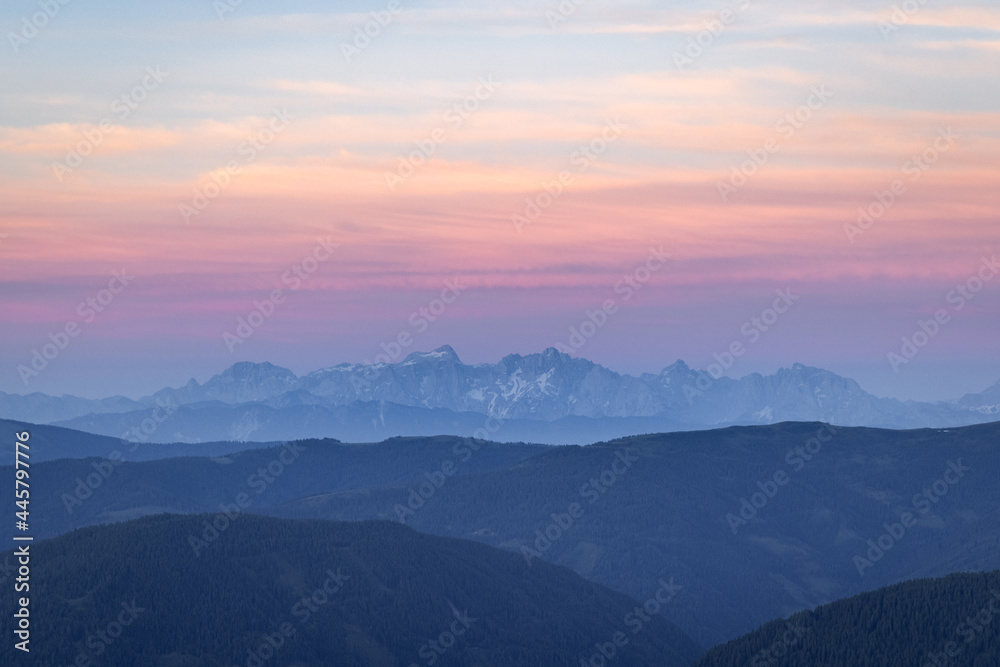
x,y
545,386
986,402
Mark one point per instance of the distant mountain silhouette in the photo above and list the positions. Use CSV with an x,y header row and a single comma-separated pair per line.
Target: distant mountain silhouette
x,y
548,397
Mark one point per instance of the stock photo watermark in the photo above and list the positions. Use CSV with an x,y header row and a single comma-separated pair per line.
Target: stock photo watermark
x,y
778,650
122,107
901,15
88,310
224,7
248,151
922,503
264,309
913,169
302,610
928,329
86,486
786,127
635,621
257,482
592,491
627,287
769,487
753,329
975,624
454,117
562,12
420,320
582,159
432,650
32,25
99,641
463,451
698,44
372,29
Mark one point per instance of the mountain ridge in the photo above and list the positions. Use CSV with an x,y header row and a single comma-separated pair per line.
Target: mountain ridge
x,y
540,387
708,508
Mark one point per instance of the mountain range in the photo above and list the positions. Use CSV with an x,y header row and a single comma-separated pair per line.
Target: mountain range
x,y
548,397
751,522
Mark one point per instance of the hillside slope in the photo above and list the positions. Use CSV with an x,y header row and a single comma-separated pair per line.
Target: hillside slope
x,y
923,623
165,591
703,508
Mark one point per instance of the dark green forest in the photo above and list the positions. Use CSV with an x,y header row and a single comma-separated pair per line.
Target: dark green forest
x,y
314,593
948,622
662,517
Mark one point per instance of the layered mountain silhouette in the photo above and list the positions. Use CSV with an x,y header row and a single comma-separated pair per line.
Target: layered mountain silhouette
x,y
264,591
548,397
749,523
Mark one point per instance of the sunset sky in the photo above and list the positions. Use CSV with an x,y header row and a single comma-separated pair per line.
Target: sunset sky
x,y
835,101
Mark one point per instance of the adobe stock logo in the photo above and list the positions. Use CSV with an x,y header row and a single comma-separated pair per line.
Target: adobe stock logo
x,y
582,159
922,504
901,15
372,29
701,42
959,297
771,485
635,621
562,13
628,286
122,107
248,152
294,278
31,27
786,127
454,117
594,490
753,329
914,169
60,340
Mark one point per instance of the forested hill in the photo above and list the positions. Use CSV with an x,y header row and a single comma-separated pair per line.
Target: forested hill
x,y
954,621
658,506
49,443
166,590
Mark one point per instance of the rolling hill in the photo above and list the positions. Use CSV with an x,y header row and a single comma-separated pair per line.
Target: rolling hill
x,y
753,522
49,443
313,593
949,622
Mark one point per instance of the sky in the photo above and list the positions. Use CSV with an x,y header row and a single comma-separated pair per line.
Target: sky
x,y
654,175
